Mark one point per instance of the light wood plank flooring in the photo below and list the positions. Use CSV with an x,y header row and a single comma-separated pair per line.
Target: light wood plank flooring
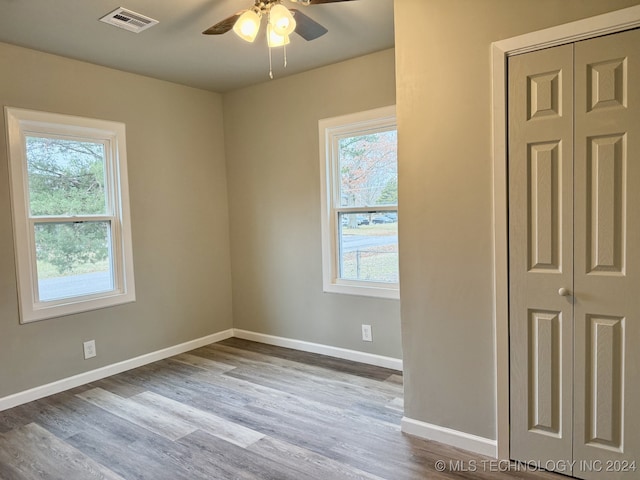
x,y
231,410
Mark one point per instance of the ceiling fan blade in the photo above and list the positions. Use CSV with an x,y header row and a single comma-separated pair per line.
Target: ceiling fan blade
x,y
224,26
319,2
306,27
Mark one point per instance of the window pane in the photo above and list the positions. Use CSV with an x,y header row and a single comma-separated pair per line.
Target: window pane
x,y
368,170
66,177
73,259
369,246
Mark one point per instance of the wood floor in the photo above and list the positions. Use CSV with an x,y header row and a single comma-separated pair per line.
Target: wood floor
x,y
231,410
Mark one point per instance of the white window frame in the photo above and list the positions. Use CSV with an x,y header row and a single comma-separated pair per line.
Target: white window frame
x,y
22,123
331,130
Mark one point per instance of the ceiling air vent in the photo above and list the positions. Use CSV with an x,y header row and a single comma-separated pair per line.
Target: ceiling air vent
x,y
132,21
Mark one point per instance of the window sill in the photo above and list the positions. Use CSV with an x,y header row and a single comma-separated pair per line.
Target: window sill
x,y
73,306
375,290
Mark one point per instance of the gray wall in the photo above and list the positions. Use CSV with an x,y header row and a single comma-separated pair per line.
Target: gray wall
x,y
177,183
443,75
271,140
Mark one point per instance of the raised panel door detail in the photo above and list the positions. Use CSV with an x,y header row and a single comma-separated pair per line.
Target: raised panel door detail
x,y
607,84
606,202
544,93
544,372
605,371
575,368
544,208
540,252
607,255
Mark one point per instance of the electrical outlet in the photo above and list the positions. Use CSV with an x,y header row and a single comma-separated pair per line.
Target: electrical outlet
x,y
89,349
366,333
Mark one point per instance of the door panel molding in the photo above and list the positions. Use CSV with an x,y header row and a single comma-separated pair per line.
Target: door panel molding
x,y
605,363
544,378
612,22
544,216
607,84
606,204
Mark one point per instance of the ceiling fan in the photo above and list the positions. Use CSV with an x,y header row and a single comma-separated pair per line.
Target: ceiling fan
x,y
281,22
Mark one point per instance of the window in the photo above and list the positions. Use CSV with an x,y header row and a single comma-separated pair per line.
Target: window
x,y
70,212
359,165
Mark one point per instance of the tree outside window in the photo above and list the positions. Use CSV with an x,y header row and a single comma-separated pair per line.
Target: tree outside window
x,y
360,203
70,210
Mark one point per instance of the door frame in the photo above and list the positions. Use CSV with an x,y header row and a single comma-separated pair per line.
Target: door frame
x,y
612,22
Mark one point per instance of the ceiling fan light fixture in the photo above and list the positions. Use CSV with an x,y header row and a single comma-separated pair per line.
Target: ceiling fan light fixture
x,y
247,26
275,40
280,24
281,20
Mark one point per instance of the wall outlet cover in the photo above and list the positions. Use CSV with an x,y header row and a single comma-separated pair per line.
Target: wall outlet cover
x,y
89,349
366,333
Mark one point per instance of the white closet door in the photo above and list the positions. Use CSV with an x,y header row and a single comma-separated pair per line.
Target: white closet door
x,y
574,241
607,257
541,253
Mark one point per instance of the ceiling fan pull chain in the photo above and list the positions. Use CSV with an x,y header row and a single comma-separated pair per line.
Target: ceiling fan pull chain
x,y
285,55
269,46
270,64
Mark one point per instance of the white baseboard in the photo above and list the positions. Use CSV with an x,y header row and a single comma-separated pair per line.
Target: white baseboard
x,y
99,373
448,436
108,370
345,354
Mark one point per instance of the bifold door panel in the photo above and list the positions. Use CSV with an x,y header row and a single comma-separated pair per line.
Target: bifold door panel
x,y
541,253
574,241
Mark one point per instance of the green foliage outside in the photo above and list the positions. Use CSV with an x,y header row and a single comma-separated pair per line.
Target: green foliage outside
x,y
72,247
389,195
67,178
47,270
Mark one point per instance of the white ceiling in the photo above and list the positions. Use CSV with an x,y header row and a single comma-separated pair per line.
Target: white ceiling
x,y
176,50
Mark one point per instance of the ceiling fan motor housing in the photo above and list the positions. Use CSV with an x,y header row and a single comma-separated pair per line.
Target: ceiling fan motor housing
x,y
263,6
